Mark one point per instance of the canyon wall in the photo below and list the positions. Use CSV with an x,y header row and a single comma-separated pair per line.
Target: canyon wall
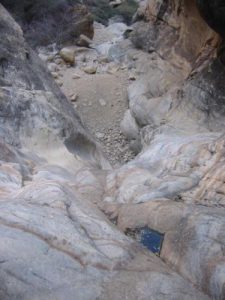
x,y
175,185
176,31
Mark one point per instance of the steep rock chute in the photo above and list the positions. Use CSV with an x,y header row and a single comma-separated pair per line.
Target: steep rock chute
x,y
55,242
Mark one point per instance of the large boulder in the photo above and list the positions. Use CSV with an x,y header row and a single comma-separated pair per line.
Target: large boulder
x,y
25,88
60,21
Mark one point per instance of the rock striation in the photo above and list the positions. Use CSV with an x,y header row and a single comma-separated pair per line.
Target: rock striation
x,y
175,185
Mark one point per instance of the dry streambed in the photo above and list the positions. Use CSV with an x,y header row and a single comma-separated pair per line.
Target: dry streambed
x,y
96,81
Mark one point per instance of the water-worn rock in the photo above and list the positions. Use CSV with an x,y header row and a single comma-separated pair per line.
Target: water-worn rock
x,y
129,126
90,69
175,185
74,97
191,248
84,41
54,241
68,55
76,76
52,67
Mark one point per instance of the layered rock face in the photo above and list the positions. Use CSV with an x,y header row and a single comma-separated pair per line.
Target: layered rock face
x,y
175,30
55,241
175,185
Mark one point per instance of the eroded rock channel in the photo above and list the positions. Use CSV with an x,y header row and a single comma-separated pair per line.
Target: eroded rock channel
x,y
121,123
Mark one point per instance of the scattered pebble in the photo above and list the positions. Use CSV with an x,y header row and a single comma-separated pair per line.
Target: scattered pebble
x,y
60,83
132,76
84,41
102,102
100,135
74,97
59,61
55,75
111,98
75,76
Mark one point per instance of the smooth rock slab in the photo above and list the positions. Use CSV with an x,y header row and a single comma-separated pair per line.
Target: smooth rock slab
x,y
55,246
193,242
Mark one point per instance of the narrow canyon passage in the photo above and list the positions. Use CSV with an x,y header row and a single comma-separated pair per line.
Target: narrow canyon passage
x,y
112,182
97,86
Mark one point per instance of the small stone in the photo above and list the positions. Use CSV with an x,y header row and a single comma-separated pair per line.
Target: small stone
x,y
68,55
103,59
84,41
113,70
90,70
99,135
132,76
74,97
55,75
51,57
102,102
115,3
52,67
43,57
58,61
60,83
75,76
